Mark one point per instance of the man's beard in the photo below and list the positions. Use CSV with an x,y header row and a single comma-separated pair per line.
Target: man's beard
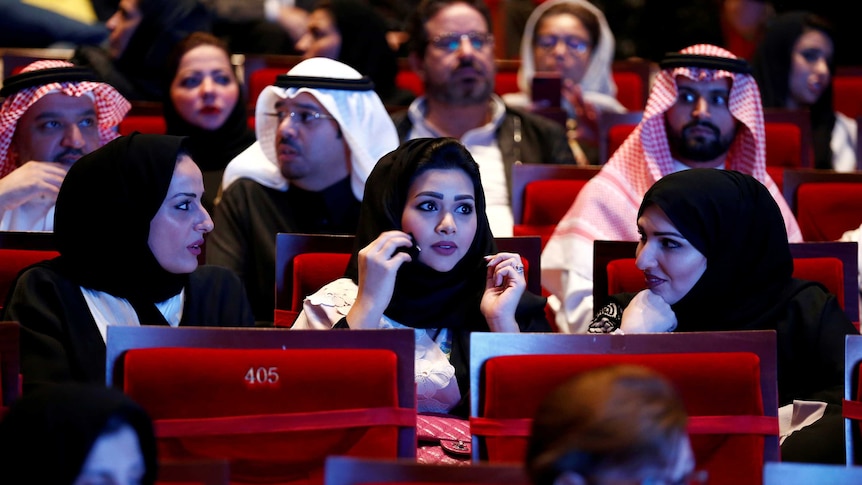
x,y
471,89
697,148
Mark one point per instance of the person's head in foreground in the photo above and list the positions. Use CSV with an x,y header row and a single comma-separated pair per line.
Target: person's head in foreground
x,y
129,219
615,425
77,434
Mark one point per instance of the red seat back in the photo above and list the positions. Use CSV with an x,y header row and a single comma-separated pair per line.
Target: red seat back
x,y
847,93
261,78
826,210
150,124
709,386
629,90
545,204
271,412
313,270
624,276
783,144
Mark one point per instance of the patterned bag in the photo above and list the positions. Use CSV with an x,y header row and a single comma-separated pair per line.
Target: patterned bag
x,y
443,439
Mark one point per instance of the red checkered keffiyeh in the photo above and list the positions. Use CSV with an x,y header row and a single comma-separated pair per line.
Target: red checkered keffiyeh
x,y
111,107
606,208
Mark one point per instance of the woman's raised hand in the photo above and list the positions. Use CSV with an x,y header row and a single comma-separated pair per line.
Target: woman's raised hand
x,y
504,285
378,265
648,313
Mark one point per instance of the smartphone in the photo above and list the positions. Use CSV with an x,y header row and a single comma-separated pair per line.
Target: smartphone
x,y
546,90
413,250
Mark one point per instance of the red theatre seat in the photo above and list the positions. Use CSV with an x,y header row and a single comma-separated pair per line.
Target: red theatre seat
x,y
272,402
150,124
730,398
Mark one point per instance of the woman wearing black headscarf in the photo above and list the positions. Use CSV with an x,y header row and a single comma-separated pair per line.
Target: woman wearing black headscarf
x,y
794,67
77,433
204,101
715,257
352,32
143,32
129,227
428,193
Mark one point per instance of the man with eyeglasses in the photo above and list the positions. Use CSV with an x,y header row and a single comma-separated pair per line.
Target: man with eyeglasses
x,y
704,110
53,113
320,129
452,49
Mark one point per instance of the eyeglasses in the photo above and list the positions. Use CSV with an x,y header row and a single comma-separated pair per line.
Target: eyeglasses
x,y
572,43
451,42
304,117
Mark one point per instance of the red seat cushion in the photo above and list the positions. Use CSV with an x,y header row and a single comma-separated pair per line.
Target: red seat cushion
x,y
709,384
193,383
624,276
826,210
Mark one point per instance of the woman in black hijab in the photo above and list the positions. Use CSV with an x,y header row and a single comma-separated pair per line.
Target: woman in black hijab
x,y
741,281
200,87
77,433
352,32
428,193
794,67
130,228
143,32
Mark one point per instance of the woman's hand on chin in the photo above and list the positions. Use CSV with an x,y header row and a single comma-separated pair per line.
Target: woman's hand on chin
x,y
648,313
504,285
378,265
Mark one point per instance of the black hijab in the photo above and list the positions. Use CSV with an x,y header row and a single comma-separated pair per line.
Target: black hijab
x,y
163,24
364,46
47,435
211,149
771,68
103,213
732,219
424,297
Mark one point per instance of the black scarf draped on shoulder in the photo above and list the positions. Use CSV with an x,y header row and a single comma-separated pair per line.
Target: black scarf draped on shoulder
x,y
732,219
102,219
423,297
47,435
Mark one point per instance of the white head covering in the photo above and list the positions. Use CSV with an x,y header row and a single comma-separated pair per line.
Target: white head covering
x,y
111,106
365,124
597,77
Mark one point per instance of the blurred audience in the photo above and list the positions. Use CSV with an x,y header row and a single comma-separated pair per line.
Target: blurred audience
x,y
143,32
205,102
320,129
53,114
794,67
452,51
352,32
571,39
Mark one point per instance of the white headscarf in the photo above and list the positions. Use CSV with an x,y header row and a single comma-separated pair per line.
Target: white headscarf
x,y
597,77
365,124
